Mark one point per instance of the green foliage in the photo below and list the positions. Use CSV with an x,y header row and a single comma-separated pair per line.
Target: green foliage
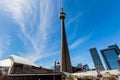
x,y
89,77
75,77
112,77
70,77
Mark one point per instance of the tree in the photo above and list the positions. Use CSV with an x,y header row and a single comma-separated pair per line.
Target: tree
x,y
79,65
86,67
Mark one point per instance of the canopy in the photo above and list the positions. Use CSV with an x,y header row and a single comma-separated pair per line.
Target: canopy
x,y
6,63
15,59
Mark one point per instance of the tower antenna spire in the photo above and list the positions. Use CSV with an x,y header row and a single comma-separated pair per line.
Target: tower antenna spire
x,y
61,5
65,65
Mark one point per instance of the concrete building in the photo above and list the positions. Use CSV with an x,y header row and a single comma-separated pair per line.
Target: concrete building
x,y
65,57
96,59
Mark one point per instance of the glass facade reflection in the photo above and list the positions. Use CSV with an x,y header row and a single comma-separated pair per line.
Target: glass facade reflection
x,y
96,59
110,56
116,47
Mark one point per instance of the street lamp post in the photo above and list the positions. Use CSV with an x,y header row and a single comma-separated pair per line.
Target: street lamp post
x,y
55,63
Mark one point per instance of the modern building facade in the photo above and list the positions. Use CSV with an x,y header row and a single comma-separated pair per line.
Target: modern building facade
x,y
115,46
96,59
65,65
110,56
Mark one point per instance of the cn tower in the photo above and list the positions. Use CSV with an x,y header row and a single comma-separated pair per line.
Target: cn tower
x,y
65,65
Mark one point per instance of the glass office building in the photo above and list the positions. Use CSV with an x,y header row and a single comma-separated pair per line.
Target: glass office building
x,y
96,59
116,47
110,56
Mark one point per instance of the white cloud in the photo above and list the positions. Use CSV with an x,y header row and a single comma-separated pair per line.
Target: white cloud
x,y
74,19
34,35
77,42
4,43
80,41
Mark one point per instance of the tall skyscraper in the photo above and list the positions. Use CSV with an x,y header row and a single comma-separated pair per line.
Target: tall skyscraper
x,y
116,47
65,65
110,56
96,59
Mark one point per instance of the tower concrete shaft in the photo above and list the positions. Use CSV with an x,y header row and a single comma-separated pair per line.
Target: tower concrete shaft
x,y
65,65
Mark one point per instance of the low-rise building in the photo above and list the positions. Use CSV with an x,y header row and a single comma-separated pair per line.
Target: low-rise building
x,y
15,67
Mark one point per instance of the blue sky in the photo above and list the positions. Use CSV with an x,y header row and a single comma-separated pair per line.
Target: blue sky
x,y
31,28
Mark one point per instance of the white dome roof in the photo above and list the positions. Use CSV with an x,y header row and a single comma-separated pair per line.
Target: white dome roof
x,y
6,63
15,59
